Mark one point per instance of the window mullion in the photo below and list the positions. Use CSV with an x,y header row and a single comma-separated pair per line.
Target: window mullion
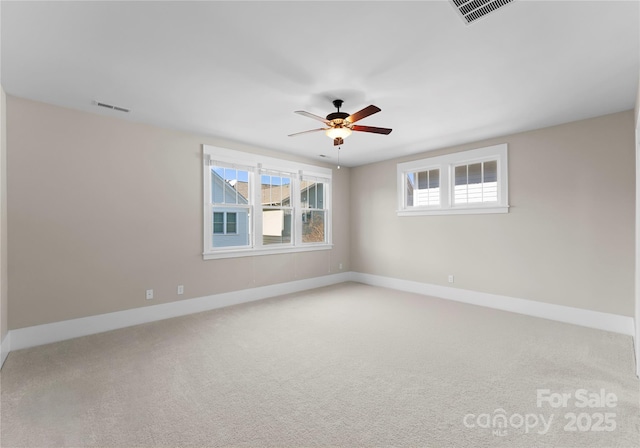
x,y
257,210
499,181
467,186
296,202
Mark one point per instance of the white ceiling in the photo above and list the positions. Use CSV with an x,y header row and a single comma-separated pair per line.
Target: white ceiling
x,y
238,70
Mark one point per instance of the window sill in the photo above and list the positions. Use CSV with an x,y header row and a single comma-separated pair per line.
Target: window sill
x,y
455,211
234,253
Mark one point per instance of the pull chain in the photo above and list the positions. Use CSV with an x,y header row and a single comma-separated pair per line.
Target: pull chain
x,y
339,147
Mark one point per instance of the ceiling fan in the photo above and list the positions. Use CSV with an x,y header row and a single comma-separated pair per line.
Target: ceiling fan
x,y
340,124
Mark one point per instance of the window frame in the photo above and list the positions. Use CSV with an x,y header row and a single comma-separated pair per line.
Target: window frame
x,y
446,164
212,207
302,211
422,168
256,165
283,208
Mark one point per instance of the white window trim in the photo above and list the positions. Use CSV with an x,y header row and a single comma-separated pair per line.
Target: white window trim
x,y
257,164
446,164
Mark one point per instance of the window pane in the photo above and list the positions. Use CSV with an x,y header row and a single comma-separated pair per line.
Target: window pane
x,y
218,222
276,190
230,174
265,187
320,195
422,180
475,173
460,191
217,182
490,187
276,226
311,194
490,192
411,178
231,195
313,230
426,191
242,189
461,175
229,186
231,223
304,193
474,190
410,188
433,196
434,178
491,171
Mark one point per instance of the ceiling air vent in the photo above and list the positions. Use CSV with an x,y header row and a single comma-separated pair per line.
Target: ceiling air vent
x,y
472,10
110,106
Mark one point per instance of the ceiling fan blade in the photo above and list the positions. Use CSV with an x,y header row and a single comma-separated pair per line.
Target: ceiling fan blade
x,y
310,115
369,110
307,132
385,131
338,141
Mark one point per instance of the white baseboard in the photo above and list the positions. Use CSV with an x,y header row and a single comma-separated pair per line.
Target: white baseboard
x,y
73,328
68,329
5,348
577,316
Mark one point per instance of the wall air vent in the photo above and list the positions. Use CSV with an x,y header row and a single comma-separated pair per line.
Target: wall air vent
x,y
472,10
110,106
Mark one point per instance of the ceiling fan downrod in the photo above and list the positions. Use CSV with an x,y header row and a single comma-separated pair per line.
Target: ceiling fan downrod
x,y
338,116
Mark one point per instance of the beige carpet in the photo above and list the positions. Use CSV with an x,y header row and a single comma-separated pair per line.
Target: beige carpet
x,y
348,365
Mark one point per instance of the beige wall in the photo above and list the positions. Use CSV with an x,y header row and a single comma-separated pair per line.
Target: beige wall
x,y
568,238
4,301
638,105
101,209
637,316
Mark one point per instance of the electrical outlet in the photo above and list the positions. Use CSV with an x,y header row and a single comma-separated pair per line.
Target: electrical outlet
x,y
149,294
180,289
450,278
340,266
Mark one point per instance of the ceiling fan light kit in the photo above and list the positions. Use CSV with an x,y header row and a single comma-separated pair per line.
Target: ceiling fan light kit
x,y
341,124
341,132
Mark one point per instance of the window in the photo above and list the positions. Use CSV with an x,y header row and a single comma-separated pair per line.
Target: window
x,y
314,213
276,209
472,181
261,205
225,222
231,222
230,205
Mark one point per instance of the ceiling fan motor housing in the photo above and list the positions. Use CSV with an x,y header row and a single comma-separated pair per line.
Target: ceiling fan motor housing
x,y
337,115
